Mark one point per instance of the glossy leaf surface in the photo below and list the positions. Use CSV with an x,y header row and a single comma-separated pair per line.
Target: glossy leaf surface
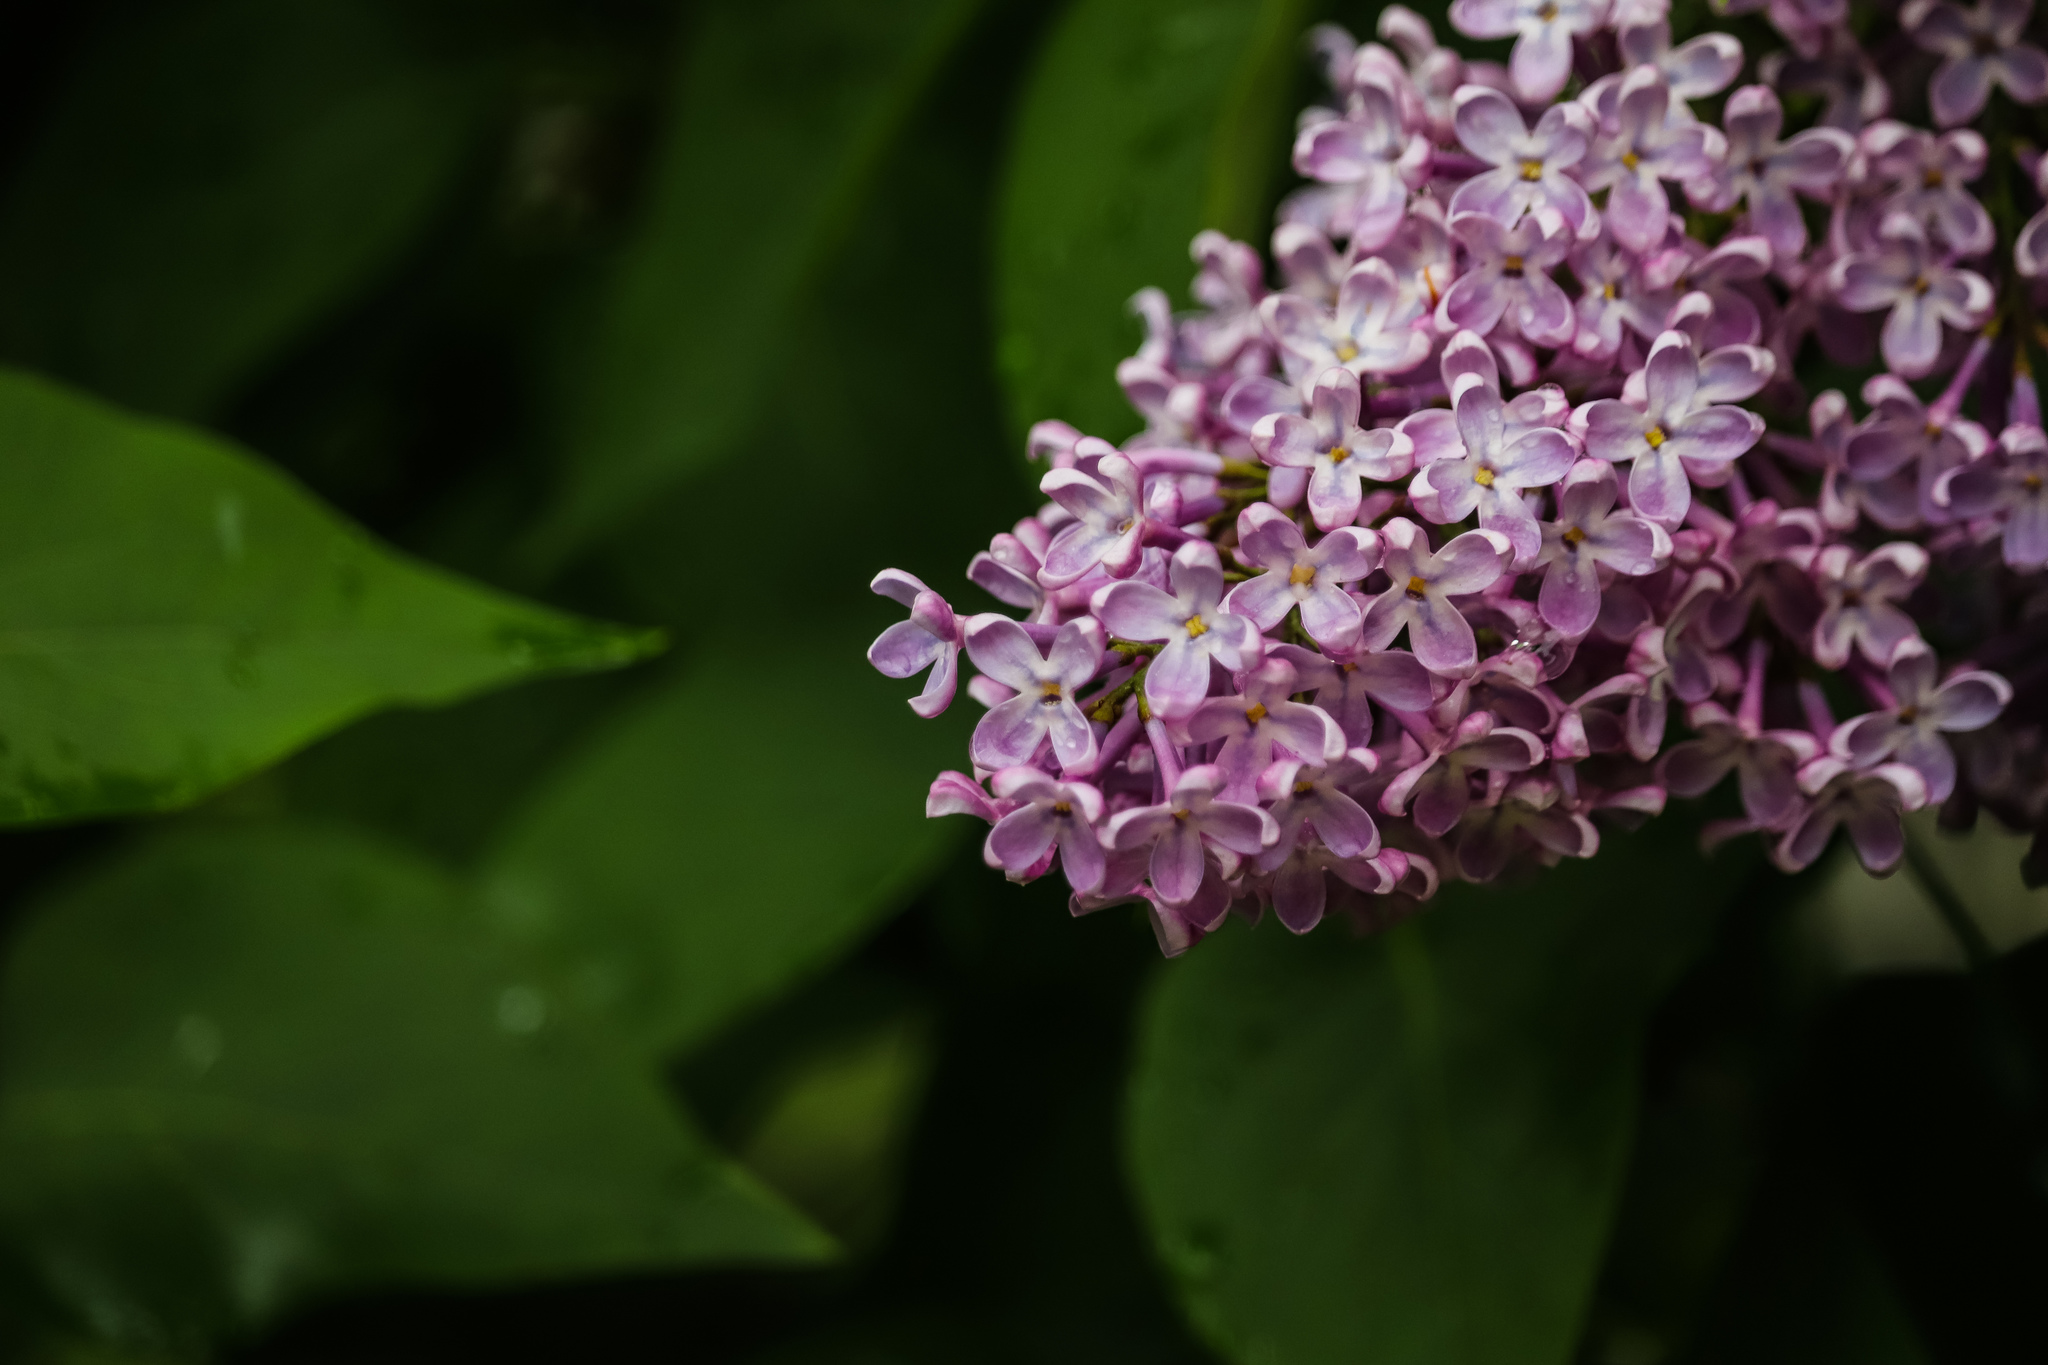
x,y
243,1066
174,614
1406,1148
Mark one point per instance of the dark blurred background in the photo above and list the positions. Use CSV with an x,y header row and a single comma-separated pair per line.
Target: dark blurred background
x,y
1831,1165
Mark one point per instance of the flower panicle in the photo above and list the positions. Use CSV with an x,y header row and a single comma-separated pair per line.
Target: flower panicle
x,y
1419,552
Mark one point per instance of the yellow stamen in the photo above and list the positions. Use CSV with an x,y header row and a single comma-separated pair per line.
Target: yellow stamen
x,y
1255,713
2031,482
1062,808
1931,178
1547,13
1573,536
1922,285
1302,573
1933,429
1346,351
1049,689
1483,477
1532,170
1339,454
1655,436
1629,159
1304,788
1608,291
1197,627
1416,587
1511,265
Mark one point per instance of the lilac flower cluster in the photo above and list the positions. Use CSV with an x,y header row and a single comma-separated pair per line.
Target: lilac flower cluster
x,y
1418,552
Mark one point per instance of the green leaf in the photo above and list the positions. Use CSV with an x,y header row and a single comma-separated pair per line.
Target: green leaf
x,y
245,1066
173,615
1405,1150
782,116
731,832
214,179
1147,121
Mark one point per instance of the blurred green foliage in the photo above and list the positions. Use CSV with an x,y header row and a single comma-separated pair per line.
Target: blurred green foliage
x,y
641,1014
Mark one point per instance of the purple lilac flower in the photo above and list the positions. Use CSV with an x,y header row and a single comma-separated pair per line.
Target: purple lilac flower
x,y
1528,167
1260,722
929,639
1301,577
1373,330
1980,47
1189,620
1162,742
1049,814
1045,684
1860,608
1766,762
1638,148
1766,175
1330,443
1370,160
2014,488
1921,291
1914,714
1419,593
1491,466
1588,534
1871,803
1929,174
1508,277
1667,430
1696,68
1180,831
1543,31
1439,788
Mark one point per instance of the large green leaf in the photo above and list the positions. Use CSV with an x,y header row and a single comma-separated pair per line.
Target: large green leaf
x,y
735,829
782,115
1147,121
173,615
1406,1149
215,178
245,1065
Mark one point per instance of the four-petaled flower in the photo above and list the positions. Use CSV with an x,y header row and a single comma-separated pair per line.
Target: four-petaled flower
x,y
1922,292
1528,168
1422,584
1371,160
1494,463
929,639
1373,331
1050,813
1766,175
1256,719
1588,533
2016,486
1180,830
1338,452
1668,430
1858,609
1190,621
1507,278
1872,803
1108,526
1439,788
1638,148
1922,709
1543,31
1298,575
1980,47
1045,684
